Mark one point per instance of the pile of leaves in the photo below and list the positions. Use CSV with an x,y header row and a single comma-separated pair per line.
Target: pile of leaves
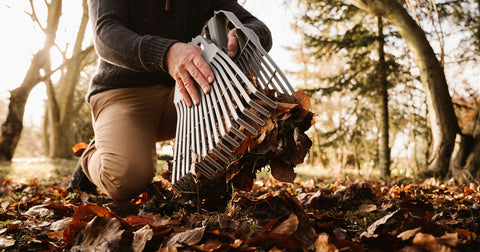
x,y
312,215
281,143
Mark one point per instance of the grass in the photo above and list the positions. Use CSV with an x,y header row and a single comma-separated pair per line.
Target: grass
x,y
44,169
41,169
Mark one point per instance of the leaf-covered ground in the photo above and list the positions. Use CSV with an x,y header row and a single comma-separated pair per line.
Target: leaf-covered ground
x,y
312,215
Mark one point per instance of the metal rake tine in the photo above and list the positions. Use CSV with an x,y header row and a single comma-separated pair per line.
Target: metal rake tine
x,y
246,66
247,82
202,120
228,82
205,129
219,119
179,135
181,142
217,122
217,27
181,155
252,65
203,169
265,57
220,99
176,158
214,163
242,91
210,127
188,143
270,75
205,124
197,145
228,100
197,149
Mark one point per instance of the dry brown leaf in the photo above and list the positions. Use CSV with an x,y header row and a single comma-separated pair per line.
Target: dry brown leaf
x,y
408,234
367,208
100,234
288,226
6,242
189,237
429,243
141,237
323,245
61,224
283,172
303,99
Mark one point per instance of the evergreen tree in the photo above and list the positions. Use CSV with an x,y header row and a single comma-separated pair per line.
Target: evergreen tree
x,y
360,47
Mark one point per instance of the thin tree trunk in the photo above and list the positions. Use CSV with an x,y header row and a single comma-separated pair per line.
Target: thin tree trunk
x,y
443,119
384,134
473,160
13,125
62,103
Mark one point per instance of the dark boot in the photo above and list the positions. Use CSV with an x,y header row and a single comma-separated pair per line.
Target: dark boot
x,y
79,180
124,208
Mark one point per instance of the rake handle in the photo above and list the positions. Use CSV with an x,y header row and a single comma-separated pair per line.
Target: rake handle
x,y
218,28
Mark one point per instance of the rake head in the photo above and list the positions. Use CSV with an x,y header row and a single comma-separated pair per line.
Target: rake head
x,y
208,134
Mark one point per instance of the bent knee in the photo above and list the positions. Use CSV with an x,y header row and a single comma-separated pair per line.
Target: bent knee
x,y
125,183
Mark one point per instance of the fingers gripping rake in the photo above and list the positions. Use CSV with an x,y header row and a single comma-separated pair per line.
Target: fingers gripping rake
x,y
207,134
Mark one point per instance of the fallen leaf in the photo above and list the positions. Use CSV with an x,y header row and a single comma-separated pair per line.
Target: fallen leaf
x,y
367,208
429,243
323,245
79,148
141,237
100,234
6,242
39,210
61,224
189,237
389,219
270,240
288,226
408,234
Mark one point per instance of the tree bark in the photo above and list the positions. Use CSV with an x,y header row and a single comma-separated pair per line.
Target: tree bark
x,y
62,103
384,147
472,164
442,116
13,125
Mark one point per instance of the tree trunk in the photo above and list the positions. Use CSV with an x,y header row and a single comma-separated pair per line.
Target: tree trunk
x,y
473,160
442,116
384,148
62,103
13,125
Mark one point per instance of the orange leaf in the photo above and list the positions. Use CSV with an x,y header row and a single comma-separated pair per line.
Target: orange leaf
x,y
79,148
408,187
468,191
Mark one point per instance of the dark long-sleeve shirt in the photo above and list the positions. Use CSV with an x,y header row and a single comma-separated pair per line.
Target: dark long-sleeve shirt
x,y
132,37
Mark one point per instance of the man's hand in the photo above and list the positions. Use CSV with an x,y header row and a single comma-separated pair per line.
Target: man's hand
x,y
232,47
185,61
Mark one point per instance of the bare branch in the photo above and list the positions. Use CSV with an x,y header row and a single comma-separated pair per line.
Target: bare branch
x,y
34,16
83,55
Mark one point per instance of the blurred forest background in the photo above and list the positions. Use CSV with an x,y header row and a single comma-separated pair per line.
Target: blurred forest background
x,y
395,85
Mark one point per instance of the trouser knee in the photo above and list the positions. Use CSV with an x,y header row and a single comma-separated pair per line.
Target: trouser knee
x,y
128,184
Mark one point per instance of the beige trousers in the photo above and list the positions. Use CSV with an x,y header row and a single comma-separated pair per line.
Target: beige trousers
x,y
127,122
